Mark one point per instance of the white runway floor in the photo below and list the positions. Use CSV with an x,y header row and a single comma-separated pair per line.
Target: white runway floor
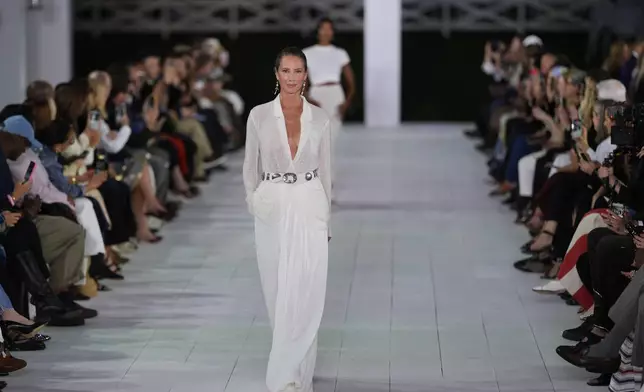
x,y
421,297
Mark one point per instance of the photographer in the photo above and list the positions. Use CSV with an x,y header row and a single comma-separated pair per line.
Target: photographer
x,y
580,195
613,251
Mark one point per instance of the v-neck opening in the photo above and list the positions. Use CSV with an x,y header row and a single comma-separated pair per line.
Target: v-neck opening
x,y
293,158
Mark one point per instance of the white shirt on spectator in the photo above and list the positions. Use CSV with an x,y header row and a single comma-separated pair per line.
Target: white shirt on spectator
x,y
116,145
490,69
325,63
603,150
235,100
561,160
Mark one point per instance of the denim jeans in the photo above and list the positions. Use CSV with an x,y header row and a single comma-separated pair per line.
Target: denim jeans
x,y
520,148
5,302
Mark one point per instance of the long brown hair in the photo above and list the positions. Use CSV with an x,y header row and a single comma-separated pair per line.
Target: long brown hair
x,y
615,57
71,99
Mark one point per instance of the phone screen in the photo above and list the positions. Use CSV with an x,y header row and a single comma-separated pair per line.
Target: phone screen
x,y
121,111
101,161
29,171
94,118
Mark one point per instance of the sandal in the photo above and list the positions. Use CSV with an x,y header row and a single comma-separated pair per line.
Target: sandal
x,y
553,271
525,248
545,248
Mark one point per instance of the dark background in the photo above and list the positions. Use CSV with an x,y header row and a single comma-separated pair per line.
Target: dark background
x,y
441,77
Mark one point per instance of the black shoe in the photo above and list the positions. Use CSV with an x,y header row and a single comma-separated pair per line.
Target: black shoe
x,y
578,356
12,326
48,306
99,270
510,201
61,317
3,385
532,264
565,296
81,297
485,147
581,332
600,381
68,300
41,338
26,345
525,248
472,133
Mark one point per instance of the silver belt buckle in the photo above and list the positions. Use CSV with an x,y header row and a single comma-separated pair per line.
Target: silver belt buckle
x,y
290,178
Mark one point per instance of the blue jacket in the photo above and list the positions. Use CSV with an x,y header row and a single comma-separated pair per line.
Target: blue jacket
x,y
54,169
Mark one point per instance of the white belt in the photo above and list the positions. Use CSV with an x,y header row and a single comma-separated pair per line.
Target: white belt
x,y
290,178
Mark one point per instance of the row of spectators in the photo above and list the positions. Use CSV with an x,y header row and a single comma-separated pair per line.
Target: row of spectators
x,y
92,168
565,149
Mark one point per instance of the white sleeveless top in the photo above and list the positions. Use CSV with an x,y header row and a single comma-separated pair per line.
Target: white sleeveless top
x,y
325,63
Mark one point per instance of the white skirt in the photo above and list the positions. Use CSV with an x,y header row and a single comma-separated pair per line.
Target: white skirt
x,y
87,219
291,229
329,98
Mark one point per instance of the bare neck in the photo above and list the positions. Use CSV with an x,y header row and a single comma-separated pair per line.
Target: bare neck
x,y
290,100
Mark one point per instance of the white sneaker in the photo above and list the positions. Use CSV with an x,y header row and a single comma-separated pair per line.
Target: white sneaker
x,y
552,287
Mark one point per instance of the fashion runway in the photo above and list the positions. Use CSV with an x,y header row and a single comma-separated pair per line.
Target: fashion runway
x,y
422,295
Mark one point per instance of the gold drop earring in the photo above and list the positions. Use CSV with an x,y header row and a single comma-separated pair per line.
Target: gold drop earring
x,y
277,87
303,88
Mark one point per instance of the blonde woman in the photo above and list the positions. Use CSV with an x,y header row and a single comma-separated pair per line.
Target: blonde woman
x,y
135,170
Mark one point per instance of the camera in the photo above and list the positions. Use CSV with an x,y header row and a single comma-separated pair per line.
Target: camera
x,y
627,132
618,209
634,227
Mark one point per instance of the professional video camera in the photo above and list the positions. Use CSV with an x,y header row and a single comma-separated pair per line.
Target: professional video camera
x,y
634,227
627,133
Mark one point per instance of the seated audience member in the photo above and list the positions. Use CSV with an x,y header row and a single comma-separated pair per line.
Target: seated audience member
x,y
41,247
579,194
91,168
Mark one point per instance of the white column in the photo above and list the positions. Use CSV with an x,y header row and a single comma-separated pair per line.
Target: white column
x,y
382,41
13,51
49,41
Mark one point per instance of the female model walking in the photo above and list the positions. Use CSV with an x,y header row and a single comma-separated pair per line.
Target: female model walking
x,y
327,65
287,176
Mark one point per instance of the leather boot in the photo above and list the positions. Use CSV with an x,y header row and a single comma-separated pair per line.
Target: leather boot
x,y
8,363
99,270
47,303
